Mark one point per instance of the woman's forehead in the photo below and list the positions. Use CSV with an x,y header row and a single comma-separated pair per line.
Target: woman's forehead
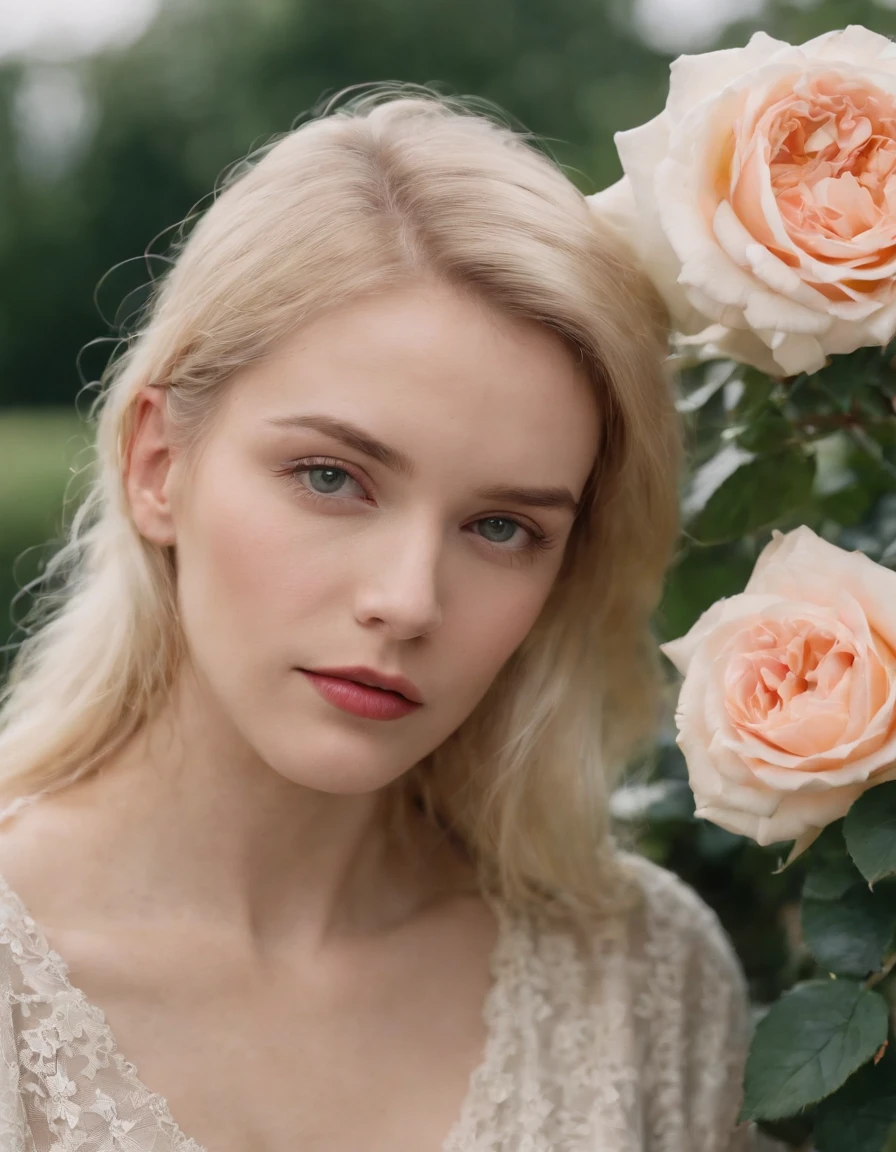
x,y
430,368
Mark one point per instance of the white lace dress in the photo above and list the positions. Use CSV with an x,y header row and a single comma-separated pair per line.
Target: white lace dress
x,y
627,1039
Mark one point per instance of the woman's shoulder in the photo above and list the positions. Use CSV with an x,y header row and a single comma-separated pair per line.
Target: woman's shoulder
x,y
658,925
658,953
639,1013
674,926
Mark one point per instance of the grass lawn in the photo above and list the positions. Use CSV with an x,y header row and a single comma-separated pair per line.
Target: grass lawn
x,y
38,450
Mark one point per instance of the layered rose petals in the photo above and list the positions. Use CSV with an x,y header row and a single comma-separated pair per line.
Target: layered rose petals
x,y
787,712
762,199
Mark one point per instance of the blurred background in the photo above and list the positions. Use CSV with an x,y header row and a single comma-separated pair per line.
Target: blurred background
x,y
118,116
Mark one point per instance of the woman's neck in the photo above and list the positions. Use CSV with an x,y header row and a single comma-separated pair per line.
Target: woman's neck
x,y
176,825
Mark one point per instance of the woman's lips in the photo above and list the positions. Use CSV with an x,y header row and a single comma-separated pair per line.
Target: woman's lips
x,y
360,699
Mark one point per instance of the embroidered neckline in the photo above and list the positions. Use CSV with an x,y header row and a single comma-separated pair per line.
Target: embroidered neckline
x,y
496,1015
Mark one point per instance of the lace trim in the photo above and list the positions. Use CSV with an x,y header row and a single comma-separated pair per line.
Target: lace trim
x,y
72,1018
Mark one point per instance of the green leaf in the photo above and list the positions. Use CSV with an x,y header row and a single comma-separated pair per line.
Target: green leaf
x,y
711,476
870,832
757,391
767,431
860,1116
847,931
808,1044
717,374
701,576
832,870
737,492
847,377
846,927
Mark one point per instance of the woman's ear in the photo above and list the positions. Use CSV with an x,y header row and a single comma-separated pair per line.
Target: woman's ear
x,y
147,477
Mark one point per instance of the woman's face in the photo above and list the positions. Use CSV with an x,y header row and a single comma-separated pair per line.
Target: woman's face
x,y
299,549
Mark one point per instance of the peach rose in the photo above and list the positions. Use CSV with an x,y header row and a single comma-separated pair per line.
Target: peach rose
x,y
787,712
762,199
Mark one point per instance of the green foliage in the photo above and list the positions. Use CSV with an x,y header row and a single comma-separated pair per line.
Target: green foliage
x,y
818,450
809,1043
847,927
861,1116
738,491
870,832
40,452
213,79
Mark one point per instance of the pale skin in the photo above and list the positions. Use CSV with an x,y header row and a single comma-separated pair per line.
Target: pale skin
x,y
222,889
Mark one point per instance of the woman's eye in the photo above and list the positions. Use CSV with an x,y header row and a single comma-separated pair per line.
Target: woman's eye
x,y
529,541
320,479
505,529
324,479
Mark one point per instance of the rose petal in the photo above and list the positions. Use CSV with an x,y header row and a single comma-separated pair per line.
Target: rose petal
x,y
694,78
800,354
731,609
798,814
809,268
855,44
797,558
715,342
616,207
709,787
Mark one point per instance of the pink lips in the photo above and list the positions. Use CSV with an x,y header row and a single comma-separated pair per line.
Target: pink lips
x,y
360,699
374,679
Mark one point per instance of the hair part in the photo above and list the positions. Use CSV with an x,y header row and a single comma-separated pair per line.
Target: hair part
x,y
379,190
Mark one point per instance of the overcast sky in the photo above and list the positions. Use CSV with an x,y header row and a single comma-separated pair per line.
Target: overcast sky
x,y
55,29
60,29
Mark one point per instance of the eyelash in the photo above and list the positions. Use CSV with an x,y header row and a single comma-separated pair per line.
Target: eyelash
x,y
538,541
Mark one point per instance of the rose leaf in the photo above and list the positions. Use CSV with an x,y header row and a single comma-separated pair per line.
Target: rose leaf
x,y
808,1044
860,1116
847,931
737,492
870,832
716,375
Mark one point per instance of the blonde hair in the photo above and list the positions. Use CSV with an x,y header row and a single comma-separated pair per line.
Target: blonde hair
x,y
383,187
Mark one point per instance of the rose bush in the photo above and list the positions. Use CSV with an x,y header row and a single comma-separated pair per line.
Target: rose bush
x,y
762,203
787,712
762,199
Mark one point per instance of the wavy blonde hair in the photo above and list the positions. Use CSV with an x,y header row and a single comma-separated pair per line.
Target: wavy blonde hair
x,y
392,185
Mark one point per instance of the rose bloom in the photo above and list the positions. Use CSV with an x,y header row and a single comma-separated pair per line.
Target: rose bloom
x,y
787,712
762,199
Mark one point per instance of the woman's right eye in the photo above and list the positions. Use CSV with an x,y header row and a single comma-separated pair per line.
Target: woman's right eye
x,y
324,479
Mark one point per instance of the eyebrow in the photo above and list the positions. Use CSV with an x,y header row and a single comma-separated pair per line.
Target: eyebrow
x,y
398,462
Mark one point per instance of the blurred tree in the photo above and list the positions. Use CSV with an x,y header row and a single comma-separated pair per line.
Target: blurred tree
x,y
210,81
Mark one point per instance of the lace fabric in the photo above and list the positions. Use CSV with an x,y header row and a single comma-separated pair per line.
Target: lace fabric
x,y
627,1037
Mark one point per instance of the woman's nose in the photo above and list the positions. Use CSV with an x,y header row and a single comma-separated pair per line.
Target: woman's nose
x,y
400,583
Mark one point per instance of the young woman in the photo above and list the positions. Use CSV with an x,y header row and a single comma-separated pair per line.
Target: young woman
x,y
306,772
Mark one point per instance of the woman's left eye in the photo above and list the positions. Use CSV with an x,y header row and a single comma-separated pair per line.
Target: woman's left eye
x,y
508,530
